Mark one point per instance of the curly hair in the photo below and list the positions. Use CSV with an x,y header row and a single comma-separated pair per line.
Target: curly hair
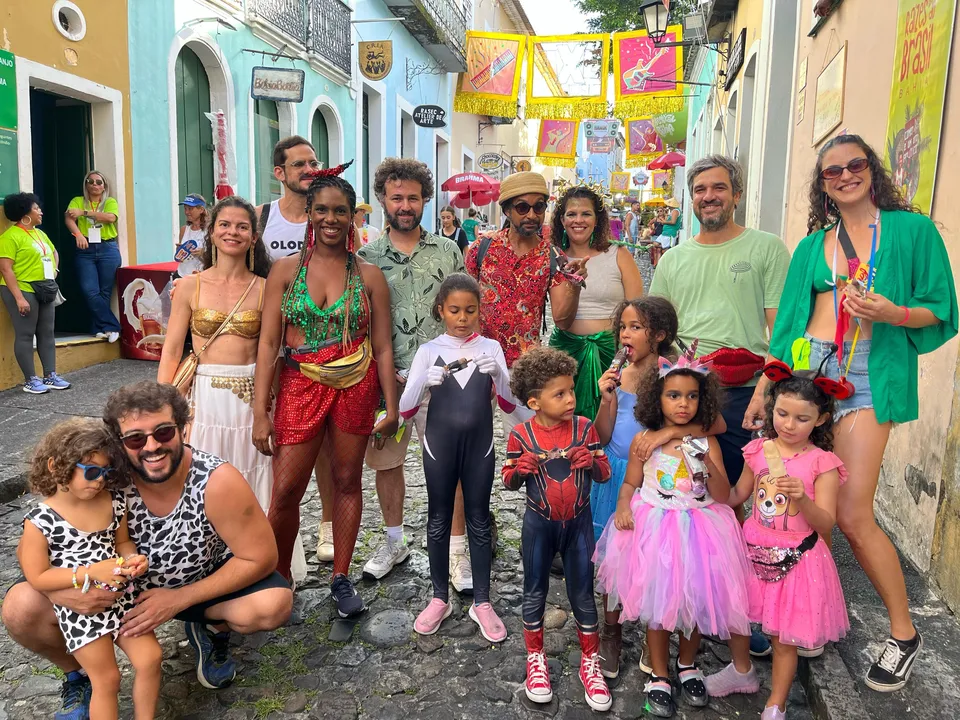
x,y
801,385
649,409
261,260
145,397
886,195
536,367
657,314
71,442
399,169
17,206
600,240
454,282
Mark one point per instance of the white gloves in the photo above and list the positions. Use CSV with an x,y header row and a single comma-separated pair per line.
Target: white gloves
x,y
435,375
487,365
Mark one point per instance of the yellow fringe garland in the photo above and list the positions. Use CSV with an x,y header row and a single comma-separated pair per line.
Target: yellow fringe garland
x,y
635,105
633,161
557,161
485,105
555,108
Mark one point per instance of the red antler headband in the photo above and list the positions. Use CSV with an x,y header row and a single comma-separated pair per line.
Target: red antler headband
x,y
329,172
778,371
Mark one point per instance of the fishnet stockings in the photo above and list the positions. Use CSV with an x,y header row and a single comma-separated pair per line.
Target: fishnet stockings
x,y
292,467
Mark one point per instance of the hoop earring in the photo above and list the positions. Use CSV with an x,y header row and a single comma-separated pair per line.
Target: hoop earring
x,y
564,241
213,255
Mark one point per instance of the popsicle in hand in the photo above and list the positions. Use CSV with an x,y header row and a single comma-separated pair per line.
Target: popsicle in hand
x,y
774,460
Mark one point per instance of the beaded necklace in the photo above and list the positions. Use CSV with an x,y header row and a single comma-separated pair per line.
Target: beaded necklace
x,y
319,325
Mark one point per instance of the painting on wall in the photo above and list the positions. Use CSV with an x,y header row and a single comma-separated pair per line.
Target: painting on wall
x,y
828,104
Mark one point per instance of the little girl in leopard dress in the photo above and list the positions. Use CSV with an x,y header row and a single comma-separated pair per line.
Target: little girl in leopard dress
x,y
77,537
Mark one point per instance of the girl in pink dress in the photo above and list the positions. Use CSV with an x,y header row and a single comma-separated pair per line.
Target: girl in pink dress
x,y
795,479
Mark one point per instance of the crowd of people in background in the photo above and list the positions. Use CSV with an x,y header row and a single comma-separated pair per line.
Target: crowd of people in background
x,y
638,429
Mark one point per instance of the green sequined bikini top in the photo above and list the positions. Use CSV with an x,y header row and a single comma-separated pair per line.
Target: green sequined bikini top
x,y
320,325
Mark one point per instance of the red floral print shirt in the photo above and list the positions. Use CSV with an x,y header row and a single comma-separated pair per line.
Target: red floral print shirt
x,y
512,293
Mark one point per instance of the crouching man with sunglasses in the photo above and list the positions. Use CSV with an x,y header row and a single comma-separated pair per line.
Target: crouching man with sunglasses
x,y
211,550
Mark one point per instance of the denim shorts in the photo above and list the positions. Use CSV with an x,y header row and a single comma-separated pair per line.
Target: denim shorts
x,y
858,375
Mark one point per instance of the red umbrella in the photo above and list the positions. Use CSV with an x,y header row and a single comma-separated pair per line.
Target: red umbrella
x,y
469,182
668,161
470,199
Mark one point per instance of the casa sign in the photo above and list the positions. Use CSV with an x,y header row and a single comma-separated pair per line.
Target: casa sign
x,y
278,84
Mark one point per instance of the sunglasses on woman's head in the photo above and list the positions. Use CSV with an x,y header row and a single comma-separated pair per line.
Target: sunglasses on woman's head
x,y
524,208
94,181
857,165
92,473
138,439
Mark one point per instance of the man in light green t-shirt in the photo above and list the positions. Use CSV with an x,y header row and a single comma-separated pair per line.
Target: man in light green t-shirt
x,y
725,284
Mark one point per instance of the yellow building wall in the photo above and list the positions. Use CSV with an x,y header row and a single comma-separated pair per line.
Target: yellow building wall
x,y
914,478
27,30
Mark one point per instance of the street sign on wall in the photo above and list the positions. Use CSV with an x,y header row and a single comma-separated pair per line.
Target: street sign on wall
x,y
429,116
278,84
375,58
490,161
8,90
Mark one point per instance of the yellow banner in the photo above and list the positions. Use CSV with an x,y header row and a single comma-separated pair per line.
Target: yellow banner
x,y
557,143
924,34
644,143
491,84
567,76
646,76
619,182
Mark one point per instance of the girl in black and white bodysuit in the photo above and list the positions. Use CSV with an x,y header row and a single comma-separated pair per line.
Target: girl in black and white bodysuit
x,y
460,370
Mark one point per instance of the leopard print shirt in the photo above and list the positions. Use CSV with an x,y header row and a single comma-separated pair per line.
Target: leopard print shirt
x,y
71,548
183,546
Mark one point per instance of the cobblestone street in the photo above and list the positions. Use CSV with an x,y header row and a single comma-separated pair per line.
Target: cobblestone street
x,y
382,669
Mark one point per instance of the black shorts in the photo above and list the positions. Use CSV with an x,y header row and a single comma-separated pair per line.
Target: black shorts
x,y
195,613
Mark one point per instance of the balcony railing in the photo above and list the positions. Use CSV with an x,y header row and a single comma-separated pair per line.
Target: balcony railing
x,y
328,33
439,25
321,27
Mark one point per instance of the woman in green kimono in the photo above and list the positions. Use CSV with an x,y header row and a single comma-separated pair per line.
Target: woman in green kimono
x,y
581,228
903,305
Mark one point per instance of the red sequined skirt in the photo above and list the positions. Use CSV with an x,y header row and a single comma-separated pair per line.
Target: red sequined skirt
x,y
303,405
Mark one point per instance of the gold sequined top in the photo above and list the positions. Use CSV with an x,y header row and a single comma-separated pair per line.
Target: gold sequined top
x,y
245,323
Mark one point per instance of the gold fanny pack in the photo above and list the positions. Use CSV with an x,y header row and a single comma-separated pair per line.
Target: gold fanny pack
x,y
341,373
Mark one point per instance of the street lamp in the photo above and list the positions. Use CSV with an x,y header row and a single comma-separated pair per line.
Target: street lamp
x,y
655,18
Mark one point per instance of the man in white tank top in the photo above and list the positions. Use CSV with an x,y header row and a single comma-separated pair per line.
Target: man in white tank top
x,y
286,219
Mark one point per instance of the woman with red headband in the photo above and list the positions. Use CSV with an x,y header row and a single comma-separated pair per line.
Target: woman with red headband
x,y
872,282
331,310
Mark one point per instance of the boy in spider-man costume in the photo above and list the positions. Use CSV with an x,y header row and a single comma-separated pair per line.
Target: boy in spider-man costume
x,y
556,455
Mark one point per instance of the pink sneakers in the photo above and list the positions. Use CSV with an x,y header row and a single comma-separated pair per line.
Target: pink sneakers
x,y
773,713
490,625
728,681
428,621
595,690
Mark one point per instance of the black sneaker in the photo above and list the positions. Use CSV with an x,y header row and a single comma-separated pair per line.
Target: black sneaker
x,y
692,689
75,694
348,600
892,669
660,697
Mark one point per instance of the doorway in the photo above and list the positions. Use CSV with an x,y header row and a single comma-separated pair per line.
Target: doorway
x,y
320,137
266,134
62,147
194,131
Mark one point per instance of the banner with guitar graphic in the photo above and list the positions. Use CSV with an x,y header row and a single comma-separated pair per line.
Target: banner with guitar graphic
x,y
491,84
557,144
644,143
645,76
567,76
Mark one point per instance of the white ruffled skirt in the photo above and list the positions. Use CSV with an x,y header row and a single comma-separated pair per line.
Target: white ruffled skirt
x,y
222,397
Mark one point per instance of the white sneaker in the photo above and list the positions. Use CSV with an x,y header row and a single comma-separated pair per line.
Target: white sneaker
x,y
112,337
461,573
325,542
386,558
102,335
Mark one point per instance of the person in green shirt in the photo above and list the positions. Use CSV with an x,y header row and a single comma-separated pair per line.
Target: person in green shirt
x,y
28,262
910,308
92,220
470,225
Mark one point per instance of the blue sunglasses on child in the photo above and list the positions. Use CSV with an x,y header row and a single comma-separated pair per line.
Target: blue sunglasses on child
x,y
92,473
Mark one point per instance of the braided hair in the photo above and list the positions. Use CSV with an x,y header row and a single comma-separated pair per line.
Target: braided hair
x,y
330,178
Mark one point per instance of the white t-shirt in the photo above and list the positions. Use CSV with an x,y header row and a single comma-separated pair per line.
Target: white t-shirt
x,y
282,237
193,263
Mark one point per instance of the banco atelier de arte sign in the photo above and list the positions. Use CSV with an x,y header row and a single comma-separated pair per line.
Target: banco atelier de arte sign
x,y
280,84
429,116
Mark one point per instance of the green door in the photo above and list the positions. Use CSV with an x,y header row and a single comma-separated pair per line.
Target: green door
x,y
320,138
266,134
194,133
62,155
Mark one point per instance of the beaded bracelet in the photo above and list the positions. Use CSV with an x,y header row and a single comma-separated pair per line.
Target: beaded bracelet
x,y
86,584
76,585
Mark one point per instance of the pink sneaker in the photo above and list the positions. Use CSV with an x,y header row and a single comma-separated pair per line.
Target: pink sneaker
x,y
428,622
490,625
728,681
773,713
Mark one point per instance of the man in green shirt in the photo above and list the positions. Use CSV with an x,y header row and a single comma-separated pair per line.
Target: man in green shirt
x,y
414,262
725,284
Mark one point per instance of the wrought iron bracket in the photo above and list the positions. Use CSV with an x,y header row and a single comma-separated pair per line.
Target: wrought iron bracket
x,y
480,126
415,70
